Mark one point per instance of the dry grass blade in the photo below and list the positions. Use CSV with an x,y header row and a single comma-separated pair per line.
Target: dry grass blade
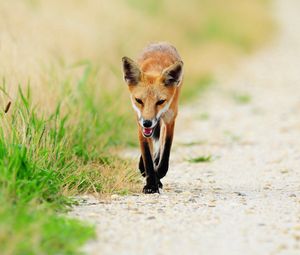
x,y
7,107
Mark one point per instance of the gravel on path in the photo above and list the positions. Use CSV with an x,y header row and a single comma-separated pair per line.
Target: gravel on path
x,y
246,198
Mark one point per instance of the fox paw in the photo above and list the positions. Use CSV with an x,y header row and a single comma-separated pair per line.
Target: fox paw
x,y
150,189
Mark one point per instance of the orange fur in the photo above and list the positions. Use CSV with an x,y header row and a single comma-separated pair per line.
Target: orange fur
x,y
154,84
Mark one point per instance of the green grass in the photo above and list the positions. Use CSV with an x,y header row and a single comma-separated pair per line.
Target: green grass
x,y
194,87
204,116
195,143
200,159
242,98
30,229
43,160
148,7
33,171
232,137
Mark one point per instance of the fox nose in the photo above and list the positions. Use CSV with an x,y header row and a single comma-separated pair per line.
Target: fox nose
x,y
147,123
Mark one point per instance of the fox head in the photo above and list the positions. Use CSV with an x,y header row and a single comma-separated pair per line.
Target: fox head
x,y
151,93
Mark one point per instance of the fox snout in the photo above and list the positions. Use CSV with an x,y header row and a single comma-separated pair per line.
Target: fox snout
x,y
147,123
148,126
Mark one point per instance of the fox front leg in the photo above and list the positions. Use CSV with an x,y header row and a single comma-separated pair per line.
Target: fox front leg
x,y
142,167
163,166
151,178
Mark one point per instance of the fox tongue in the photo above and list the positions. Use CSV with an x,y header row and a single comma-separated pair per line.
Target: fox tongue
x,y
147,131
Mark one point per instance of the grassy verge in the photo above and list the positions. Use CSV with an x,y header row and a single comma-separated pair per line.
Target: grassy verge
x,y
43,160
60,134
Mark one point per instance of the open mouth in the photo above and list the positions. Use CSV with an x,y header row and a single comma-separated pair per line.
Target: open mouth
x,y
147,132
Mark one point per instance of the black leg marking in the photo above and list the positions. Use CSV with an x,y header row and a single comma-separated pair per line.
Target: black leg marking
x,y
156,133
151,178
164,162
142,167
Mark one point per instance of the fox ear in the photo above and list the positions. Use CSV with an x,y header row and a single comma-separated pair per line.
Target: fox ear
x,y
131,71
172,75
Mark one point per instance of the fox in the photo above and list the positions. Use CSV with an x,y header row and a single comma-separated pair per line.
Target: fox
x,y
154,81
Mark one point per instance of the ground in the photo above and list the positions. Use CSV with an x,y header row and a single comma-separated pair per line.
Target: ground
x,y
245,199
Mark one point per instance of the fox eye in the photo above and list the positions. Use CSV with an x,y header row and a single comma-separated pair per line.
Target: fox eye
x,y
160,102
139,101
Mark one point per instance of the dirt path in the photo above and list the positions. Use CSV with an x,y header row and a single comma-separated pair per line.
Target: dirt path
x,y
247,199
